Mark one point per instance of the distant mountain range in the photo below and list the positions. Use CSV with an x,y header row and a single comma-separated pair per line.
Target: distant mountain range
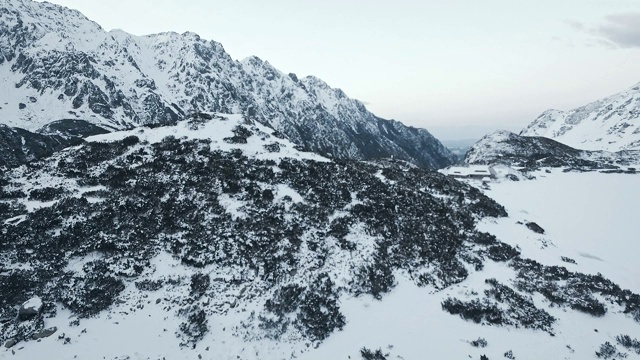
x,y
602,135
610,124
57,64
534,152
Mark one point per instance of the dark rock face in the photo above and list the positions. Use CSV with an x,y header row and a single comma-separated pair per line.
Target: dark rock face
x,y
532,153
70,128
535,228
119,81
28,312
44,333
19,146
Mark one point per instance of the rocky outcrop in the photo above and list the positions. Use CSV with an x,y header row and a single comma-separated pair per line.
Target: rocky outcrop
x,y
19,146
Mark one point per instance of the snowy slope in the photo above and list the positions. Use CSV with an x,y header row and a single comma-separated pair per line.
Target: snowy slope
x,y
214,233
56,64
214,238
610,124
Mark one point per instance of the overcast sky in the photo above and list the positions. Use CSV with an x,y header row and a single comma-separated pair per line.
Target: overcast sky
x,y
458,68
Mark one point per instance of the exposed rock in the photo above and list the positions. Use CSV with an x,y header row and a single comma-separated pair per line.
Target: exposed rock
x,y
44,333
10,343
30,309
535,228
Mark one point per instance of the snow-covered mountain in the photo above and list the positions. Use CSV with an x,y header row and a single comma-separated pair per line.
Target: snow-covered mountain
x,y
56,64
610,124
215,238
534,152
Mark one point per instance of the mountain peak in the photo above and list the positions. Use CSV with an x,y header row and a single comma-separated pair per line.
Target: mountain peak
x,y
611,124
64,66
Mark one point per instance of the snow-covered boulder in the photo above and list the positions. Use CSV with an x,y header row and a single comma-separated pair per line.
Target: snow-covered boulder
x,y
30,308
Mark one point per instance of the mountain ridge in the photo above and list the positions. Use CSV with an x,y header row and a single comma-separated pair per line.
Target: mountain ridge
x,y
65,66
610,124
536,152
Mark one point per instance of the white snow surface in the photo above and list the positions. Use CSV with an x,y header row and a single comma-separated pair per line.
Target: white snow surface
x,y
216,130
611,124
34,303
589,217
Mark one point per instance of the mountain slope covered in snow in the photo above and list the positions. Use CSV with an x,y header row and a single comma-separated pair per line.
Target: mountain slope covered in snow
x,y
535,152
56,64
610,124
216,238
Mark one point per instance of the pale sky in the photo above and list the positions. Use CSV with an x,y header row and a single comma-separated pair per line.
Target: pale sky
x,y
458,68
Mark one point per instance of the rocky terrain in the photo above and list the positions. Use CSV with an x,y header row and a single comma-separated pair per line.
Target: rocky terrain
x,y
227,231
255,222
56,64
534,152
611,124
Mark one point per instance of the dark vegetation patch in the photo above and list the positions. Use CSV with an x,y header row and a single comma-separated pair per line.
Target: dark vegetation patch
x,y
609,351
46,194
516,310
502,252
368,354
629,343
240,135
575,290
479,343
149,285
502,305
147,185
313,310
195,326
535,228
273,147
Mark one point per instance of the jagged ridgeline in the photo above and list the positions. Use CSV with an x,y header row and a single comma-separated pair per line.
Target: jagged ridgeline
x,y
250,221
57,64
